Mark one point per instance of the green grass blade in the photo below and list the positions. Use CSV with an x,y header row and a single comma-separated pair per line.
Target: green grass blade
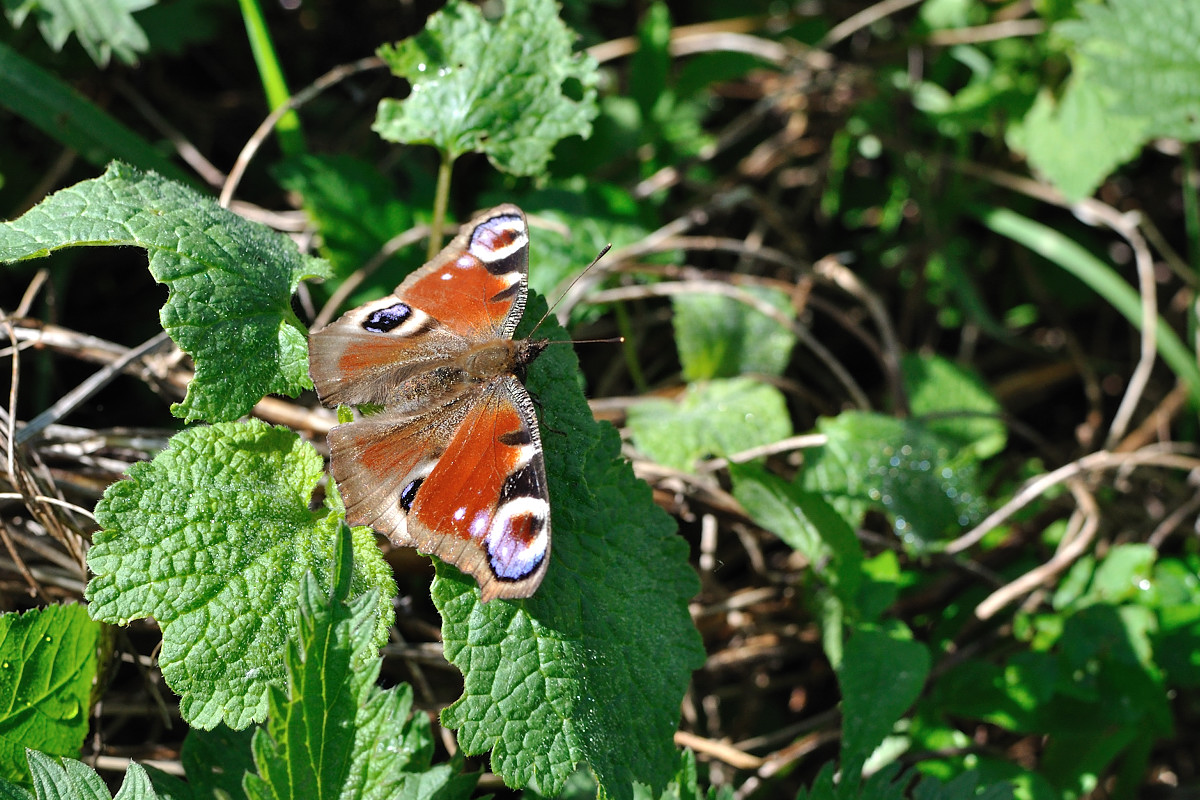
x,y
1103,279
62,113
287,131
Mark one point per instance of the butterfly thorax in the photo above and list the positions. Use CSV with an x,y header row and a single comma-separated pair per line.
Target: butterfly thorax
x,y
502,357
462,373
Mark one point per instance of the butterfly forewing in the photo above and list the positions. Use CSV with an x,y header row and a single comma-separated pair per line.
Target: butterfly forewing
x,y
477,285
453,464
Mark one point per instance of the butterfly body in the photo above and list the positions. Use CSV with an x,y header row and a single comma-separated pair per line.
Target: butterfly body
x,y
453,464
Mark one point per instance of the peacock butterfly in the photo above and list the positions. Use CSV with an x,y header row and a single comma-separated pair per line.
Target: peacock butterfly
x,y
453,463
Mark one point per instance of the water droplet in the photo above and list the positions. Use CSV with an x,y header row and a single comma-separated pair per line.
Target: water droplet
x,y
421,67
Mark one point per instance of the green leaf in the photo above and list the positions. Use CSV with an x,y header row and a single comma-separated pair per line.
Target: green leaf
x,y
211,539
715,418
1124,575
60,779
215,762
593,667
651,63
720,337
957,403
685,785
48,659
332,732
104,27
923,480
1146,56
230,280
881,675
1077,142
501,88
805,522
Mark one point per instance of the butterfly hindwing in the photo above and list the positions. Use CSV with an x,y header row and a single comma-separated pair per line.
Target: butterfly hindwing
x,y
453,464
488,492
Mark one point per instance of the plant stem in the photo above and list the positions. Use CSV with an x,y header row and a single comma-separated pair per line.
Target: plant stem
x,y
288,131
440,199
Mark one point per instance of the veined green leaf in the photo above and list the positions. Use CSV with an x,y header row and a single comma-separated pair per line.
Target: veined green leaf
x,y
211,538
48,660
230,280
499,88
1146,56
714,418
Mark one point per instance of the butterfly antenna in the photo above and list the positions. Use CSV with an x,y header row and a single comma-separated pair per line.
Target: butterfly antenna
x,y
571,286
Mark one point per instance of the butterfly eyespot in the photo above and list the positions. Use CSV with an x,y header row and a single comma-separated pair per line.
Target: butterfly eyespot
x,y
387,319
409,494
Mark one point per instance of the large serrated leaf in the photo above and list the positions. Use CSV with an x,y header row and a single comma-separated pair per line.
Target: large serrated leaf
x,y
211,539
714,418
592,668
230,280
496,88
48,660
1145,55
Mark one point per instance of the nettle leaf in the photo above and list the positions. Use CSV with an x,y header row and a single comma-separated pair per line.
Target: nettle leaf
x,y
332,732
501,88
104,27
1146,56
715,418
719,337
954,403
881,676
48,660
591,669
58,779
806,522
928,483
211,538
1076,143
230,280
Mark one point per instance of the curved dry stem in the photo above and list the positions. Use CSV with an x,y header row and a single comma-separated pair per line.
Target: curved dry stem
x,y
1126,225
334,76
1085,521
1098,461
